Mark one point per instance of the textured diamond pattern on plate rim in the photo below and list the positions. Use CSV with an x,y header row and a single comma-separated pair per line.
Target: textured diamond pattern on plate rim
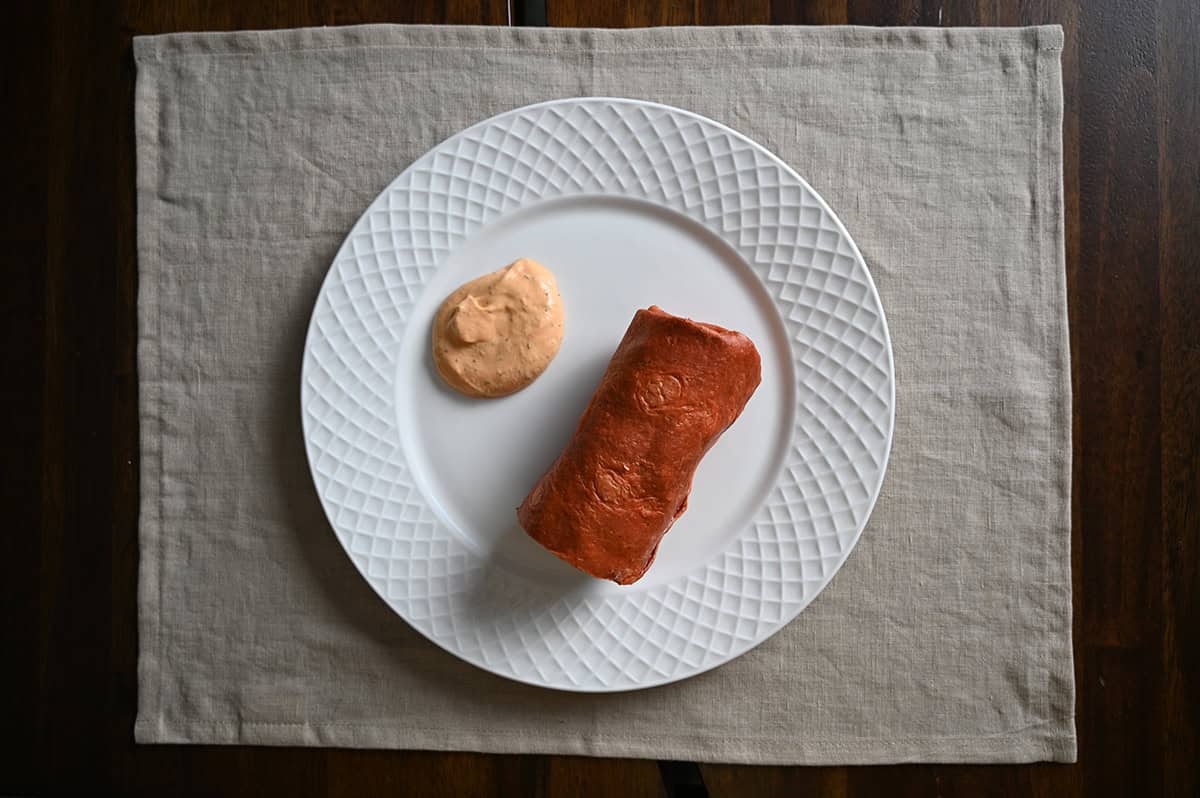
x,y
812,516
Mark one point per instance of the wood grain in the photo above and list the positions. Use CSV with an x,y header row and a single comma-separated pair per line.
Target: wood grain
x,y
81,272
1177,729
22,348
620,13
1131,138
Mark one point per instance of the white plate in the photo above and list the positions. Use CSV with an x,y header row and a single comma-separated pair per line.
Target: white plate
x,y
630,203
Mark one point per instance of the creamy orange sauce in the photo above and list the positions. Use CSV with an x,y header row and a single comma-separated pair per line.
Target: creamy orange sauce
x,y
497,333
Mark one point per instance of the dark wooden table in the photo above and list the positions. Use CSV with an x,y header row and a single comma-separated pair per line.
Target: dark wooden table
x,y
69,393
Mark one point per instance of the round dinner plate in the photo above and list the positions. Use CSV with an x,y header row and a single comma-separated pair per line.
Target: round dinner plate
x,y
630,204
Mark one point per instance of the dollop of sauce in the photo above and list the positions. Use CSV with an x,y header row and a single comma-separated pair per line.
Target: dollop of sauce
x,y
499,332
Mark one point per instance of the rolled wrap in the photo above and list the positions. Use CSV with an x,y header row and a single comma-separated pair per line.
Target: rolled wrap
x,y
672,387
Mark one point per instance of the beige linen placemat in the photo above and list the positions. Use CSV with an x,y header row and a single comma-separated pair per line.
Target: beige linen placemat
x,y
947,634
